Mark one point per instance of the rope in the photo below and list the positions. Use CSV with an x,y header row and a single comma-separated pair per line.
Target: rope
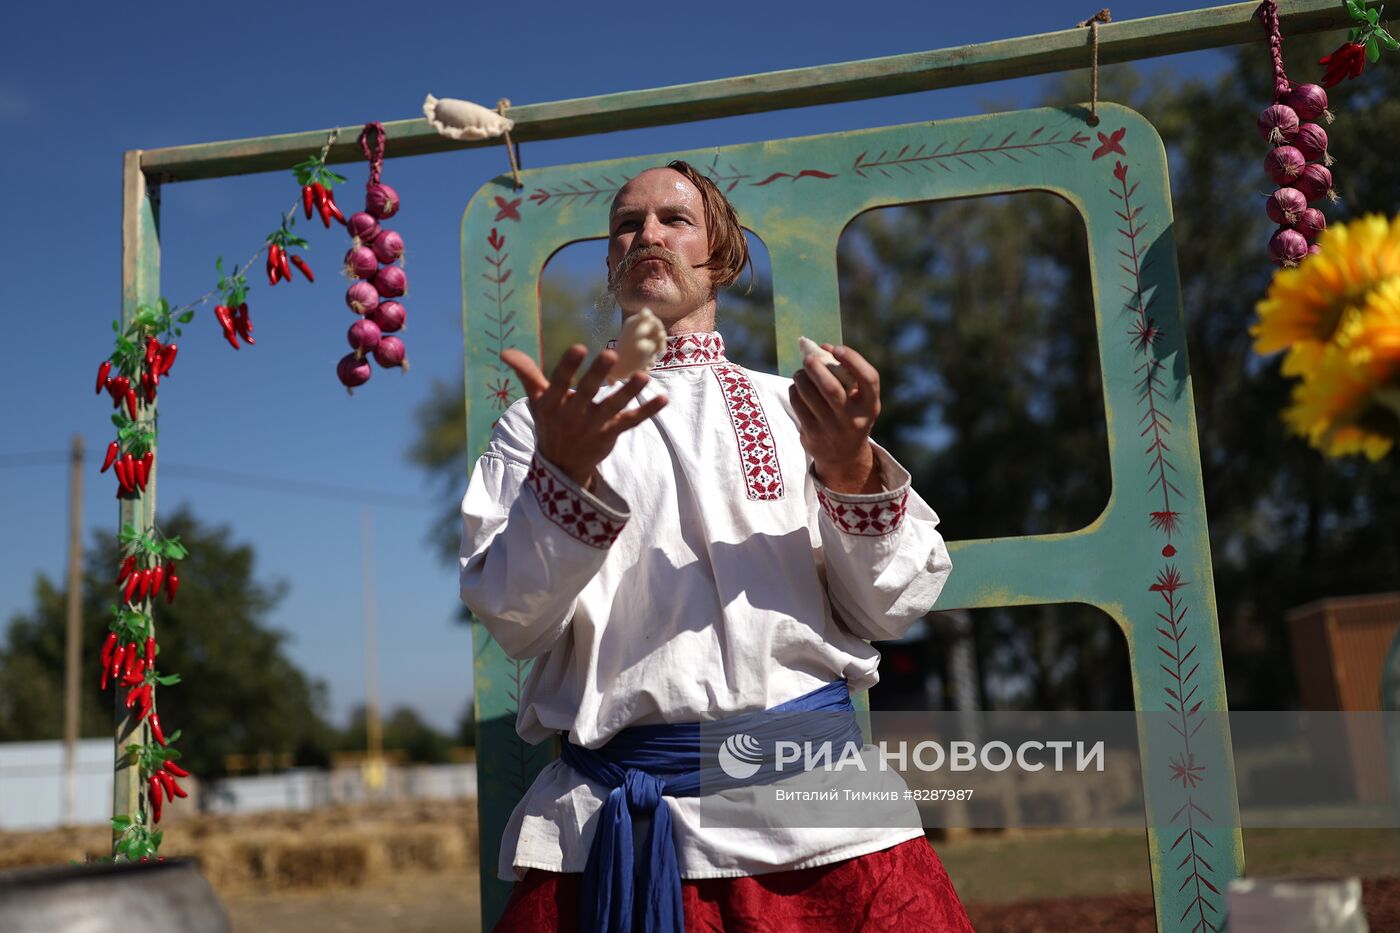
x,y
1268,12
512,153
1102,16
373,150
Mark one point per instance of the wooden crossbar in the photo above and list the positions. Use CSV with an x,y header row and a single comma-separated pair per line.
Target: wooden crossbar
x,y
1128,40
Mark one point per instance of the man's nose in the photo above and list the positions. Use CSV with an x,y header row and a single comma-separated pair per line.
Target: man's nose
x,y
652,233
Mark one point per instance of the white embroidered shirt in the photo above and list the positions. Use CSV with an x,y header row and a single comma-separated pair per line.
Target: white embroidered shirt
x,y
709,573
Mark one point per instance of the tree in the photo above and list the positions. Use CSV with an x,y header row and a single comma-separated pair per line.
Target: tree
x,y
239,692
403,730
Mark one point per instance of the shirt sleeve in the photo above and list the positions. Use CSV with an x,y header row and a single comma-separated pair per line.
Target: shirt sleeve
x,y
885,561
532,539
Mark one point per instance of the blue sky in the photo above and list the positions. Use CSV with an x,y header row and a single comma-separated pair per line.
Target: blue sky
x,y
82,83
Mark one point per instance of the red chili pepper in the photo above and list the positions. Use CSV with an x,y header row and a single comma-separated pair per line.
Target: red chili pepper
x,y
242,323
175,769
127,566
284,266
148,387
117,388
225,317
172,583
143,469
131,402
108,647
170,783
157,578
113,669
132,582
132,664
103,372
335,211
1346,62
122,466
305,269
152,346
143,587
274,264
112,450
150,647
140,695
156,729
307,197
155,796
167,359
320,192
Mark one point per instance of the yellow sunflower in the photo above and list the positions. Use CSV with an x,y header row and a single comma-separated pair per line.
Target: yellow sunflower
x,y
1338,316
1305,304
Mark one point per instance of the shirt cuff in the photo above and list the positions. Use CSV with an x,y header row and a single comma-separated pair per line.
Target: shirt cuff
x,y
580,514
873,514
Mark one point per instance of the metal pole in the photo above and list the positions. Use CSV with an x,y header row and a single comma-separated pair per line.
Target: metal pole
x,y
374,764
73,663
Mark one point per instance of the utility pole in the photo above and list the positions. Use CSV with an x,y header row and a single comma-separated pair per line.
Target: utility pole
x,y
374,761
71,706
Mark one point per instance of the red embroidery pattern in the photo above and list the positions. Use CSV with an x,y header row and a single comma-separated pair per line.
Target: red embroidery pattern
x,y
687,350
758,455
873,518
691,350
570,511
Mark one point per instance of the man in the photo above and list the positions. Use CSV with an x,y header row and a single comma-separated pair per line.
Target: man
x,y
691,544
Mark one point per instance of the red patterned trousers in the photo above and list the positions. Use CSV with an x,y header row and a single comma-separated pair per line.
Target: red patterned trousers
x,y
903,888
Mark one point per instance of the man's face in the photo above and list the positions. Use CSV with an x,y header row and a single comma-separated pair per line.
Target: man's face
x,y
657,243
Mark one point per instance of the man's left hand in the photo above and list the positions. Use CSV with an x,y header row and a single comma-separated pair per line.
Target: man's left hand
x,y
835,422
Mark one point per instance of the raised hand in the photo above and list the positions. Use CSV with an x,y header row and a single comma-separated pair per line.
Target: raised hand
x,y
572,431
835,422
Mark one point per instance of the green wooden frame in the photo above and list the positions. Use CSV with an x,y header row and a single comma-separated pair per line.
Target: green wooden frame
x,y
145,171
1145,561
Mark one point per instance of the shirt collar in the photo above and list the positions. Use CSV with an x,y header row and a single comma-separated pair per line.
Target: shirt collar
x,y
681,350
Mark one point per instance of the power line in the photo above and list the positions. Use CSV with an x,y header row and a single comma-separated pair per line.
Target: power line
x,y
260,482
294,486
36,458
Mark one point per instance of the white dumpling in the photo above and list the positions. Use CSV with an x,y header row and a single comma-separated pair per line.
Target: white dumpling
x,y
810,348
643,337
462,119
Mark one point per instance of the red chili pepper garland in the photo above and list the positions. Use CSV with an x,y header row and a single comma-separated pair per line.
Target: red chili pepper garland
x,y
141,359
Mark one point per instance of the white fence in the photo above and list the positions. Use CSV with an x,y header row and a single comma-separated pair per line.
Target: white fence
x,y
32,786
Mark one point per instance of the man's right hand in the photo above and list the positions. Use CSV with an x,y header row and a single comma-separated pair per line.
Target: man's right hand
x,y
572,431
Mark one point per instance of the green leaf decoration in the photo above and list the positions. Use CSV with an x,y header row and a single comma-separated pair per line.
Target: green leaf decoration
x,y
168,680
1373,16
1354,9
185,318
120,823
1388,39
1373,50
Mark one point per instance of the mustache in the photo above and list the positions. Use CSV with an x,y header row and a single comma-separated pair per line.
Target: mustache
x,y
646,252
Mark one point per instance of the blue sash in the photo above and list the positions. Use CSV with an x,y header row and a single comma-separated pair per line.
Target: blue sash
x,y
641,764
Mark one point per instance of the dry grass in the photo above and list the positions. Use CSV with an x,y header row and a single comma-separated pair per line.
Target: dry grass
x,y
412,867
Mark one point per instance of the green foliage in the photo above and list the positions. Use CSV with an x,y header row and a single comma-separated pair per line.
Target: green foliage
x,y
238,691
403,730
